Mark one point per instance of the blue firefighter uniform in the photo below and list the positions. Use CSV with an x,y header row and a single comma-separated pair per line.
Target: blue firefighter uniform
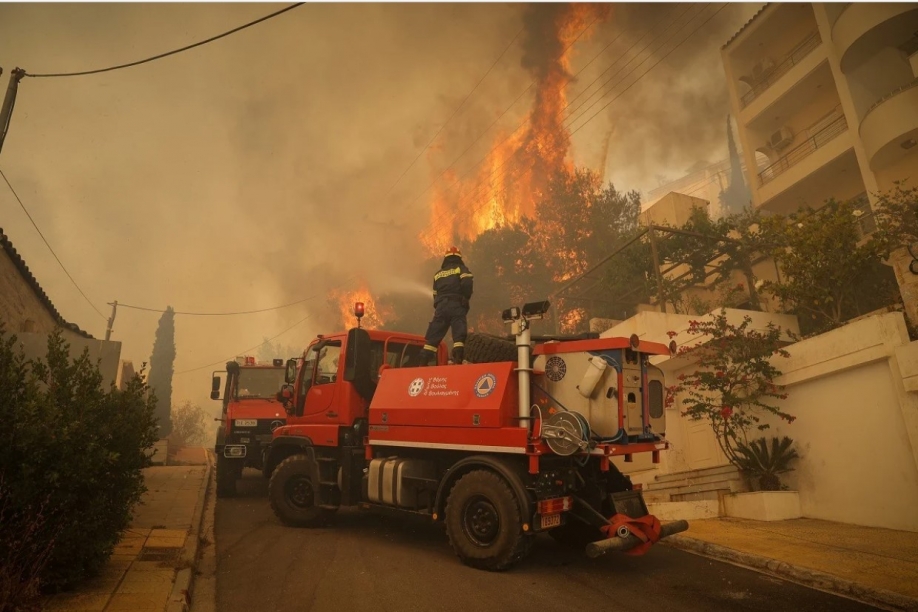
x,y
452,289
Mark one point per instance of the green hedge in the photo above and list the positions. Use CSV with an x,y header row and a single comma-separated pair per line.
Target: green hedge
x,y
71,455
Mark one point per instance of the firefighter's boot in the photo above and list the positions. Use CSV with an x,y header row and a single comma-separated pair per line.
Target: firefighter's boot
x,y
427,358
458,354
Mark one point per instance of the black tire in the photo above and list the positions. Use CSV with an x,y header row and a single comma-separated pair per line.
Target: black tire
x,y
484,348
575,533
483,522
293,491
228,472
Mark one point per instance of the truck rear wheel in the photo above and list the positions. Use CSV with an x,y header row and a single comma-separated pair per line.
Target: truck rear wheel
x,y
483,348
228,472
483,522
293,491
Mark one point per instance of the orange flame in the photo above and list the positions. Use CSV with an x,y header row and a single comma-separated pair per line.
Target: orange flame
x,y
374,317
515,174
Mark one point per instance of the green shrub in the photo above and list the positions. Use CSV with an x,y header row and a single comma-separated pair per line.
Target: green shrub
x,y
71,455
758,462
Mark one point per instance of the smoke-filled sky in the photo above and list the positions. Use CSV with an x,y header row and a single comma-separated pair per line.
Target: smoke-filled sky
x,y
259,169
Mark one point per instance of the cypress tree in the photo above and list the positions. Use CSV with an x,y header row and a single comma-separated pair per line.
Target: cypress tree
x,y
162,365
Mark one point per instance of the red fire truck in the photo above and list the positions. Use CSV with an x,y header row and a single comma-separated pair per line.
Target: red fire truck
x,y
251,411
498,451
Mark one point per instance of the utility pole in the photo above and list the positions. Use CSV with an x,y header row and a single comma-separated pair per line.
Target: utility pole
x,y
111,320
6,111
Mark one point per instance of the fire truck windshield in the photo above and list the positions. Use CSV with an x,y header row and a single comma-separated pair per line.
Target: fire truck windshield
x,y
259,382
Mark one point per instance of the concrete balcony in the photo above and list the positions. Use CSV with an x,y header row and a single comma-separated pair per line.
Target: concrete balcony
x,y
890,126
864,28
762,83
827,132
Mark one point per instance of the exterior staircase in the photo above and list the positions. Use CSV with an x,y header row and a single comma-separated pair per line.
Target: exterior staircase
x,y
694,485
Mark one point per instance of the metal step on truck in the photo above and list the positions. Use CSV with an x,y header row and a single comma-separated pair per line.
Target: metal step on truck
x,y
498,451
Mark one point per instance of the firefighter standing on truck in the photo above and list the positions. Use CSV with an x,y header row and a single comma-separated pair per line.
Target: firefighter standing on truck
x,y
452,289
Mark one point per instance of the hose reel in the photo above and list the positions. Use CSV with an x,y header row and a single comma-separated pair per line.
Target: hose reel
x,y
565,433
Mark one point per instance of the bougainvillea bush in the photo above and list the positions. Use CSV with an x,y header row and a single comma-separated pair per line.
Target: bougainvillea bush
x,y
733,385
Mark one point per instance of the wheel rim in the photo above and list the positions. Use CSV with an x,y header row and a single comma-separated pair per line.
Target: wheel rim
x,y
298,491
481,521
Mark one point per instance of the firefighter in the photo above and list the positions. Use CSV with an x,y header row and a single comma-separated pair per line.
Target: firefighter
x,y
452,289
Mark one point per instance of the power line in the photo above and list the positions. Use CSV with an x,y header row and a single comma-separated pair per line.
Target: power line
x,y
18,199
238,312
210,365
668,53
523,123
167,54
506,110
440,232
607,81
461,104
472,195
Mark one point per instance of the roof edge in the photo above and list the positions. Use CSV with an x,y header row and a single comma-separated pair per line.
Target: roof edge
x,y
30,279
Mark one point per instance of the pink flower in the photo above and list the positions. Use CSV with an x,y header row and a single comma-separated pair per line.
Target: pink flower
x,y
726,412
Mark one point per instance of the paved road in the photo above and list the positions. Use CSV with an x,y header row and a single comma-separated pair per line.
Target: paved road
x,y
393,563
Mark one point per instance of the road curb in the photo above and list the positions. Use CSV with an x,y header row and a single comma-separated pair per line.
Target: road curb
x,y
180,598
807,577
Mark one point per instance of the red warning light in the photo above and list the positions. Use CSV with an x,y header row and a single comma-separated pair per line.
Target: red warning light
x,y
358,309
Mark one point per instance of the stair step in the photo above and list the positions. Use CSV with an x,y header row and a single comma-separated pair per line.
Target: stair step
x,y
685,493
328,506
695,480
704,472
329,483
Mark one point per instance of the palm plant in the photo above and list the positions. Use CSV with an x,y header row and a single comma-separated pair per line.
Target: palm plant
x,y
759,461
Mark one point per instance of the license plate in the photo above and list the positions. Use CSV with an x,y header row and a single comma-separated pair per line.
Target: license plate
x,y
550,520
246,422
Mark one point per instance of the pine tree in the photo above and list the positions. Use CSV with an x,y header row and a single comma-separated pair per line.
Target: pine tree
x,y
736,197
162,365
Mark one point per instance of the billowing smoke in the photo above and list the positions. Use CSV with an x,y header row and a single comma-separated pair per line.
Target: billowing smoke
x,y
260,169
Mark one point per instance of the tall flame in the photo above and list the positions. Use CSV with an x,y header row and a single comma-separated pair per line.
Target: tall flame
x,y
517,170
374,317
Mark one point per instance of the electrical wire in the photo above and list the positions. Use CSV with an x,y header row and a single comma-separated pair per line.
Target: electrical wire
x,y
248,350
506,110
461,104
167,54
59,262
680,43
238,312
440,233
524,123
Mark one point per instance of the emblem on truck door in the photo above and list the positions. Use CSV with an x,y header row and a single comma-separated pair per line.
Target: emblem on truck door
x,y
416,386
485,385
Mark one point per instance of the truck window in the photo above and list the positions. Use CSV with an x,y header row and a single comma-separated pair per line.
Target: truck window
x,y
327,367
261,383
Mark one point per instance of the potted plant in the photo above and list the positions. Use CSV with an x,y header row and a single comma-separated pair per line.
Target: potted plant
x,y
763,465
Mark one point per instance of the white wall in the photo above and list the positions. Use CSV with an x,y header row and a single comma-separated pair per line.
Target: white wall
x,y
854,391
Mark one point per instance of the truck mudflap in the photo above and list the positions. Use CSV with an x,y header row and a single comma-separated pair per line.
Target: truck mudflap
x,y
633,536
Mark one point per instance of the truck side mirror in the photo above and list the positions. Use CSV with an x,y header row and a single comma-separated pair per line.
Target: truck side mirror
x,y
285,394
290,372
215,388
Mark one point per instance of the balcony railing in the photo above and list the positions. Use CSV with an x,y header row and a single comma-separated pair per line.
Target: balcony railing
x,y
815,141
796,55
895,92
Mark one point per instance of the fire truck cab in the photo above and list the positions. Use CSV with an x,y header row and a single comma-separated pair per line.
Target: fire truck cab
x,y
497,451
251,411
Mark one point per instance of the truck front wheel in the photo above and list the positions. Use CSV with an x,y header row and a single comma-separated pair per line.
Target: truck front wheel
x,y
228,472
484,524
294,495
